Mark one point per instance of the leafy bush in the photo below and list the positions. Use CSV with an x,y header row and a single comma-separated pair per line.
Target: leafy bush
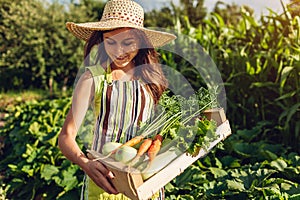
x,y
31,163
244,168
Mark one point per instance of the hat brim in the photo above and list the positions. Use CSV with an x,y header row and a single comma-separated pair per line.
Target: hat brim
x,y
84,31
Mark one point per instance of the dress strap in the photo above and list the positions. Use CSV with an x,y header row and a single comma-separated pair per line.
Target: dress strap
x,y
108,75
98,74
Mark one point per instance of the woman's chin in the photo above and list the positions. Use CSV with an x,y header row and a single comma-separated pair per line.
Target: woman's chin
x,y
121,64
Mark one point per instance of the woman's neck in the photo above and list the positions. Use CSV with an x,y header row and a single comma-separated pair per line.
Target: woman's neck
x,y
122,73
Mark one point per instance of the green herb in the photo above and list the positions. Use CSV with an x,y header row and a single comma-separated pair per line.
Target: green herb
x,y
180,121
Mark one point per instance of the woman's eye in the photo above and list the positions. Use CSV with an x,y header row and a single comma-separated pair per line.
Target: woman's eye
x,y
110,42
128,43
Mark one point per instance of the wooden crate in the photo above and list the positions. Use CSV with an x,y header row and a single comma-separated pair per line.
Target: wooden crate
x,y
130,182
216,114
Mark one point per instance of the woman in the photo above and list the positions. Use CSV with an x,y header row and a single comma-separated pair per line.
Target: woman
x,y
123,85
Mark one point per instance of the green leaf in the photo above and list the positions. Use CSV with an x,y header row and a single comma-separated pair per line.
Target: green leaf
x,y
12,167
279,164
262,84
235,185
292,110
269,155
244,149
34,128
295,197
272,190
218,163
229,161
49,171
69,181
218,172
284,75
28,170
287,95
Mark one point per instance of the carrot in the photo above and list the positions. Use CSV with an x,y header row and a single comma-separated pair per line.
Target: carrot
x,y
155,147
142,149
134,141
131,142
144,146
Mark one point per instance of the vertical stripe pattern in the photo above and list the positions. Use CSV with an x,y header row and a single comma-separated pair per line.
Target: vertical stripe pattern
x,y
124,105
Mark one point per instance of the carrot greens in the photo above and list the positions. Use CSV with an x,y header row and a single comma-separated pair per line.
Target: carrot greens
x,y
180,121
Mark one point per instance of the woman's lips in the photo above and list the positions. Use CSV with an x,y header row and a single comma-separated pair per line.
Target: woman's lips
x,y
121,58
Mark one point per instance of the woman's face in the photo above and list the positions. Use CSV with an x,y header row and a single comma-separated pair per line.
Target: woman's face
x,y
121,45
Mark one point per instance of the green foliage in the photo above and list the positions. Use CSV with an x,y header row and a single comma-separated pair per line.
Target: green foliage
x,y
161,18
259,62
294,7
36,49
32,165
194,10
243,168
188,13
231,13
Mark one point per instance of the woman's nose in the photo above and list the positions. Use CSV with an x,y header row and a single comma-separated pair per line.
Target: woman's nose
x,y
120,50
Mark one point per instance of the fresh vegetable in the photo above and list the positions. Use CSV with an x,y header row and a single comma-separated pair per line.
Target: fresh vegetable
x,y
134,141
142,149
125,154
154,148
162,120
109,147
192,137
130,143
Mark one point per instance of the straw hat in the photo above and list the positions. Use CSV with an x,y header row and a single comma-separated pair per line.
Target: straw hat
x,y
119,14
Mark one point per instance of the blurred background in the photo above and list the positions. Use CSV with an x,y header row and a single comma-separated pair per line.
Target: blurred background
x,y
254,44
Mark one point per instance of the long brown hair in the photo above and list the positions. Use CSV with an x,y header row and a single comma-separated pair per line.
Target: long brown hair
x,y
147,59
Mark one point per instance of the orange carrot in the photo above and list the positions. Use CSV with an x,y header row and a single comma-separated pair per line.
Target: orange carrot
x,y
134,141
142,149
144,146
155,147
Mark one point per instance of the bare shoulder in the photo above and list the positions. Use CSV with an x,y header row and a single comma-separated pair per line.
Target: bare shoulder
x,y
86,75
85,86
85,81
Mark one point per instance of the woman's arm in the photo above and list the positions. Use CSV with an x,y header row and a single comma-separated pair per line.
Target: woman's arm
x,y
67,138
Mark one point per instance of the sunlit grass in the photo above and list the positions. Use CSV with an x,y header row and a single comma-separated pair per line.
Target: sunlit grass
x,y
11,98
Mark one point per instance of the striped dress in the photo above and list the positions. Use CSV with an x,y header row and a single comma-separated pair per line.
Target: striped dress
x,y
124,104
120,106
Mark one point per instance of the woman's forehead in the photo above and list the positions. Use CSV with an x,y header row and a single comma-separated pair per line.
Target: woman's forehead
x,y
120,34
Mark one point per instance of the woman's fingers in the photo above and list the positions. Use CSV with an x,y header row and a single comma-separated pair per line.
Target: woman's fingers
x,y
103,182
104,170
100,175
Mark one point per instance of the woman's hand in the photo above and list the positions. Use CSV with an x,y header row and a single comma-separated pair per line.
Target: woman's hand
x,y
100,175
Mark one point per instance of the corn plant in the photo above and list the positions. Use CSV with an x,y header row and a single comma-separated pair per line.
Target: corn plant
x,y
259,62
